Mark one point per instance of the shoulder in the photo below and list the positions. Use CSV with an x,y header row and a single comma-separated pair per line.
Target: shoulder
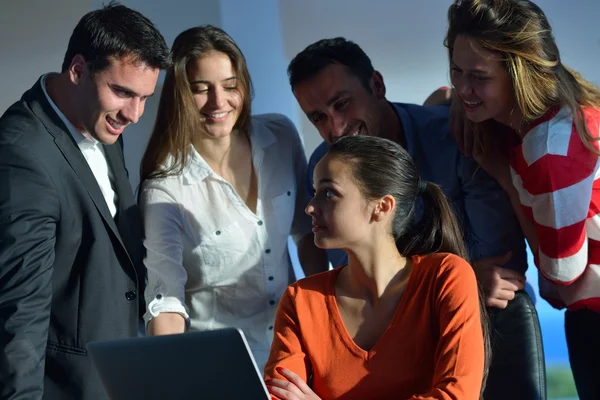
x,y
19,125
161,189
312,288
430,120
553,147
278,124
445,266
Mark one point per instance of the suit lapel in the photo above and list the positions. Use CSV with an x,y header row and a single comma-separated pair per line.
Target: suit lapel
x,y
67,146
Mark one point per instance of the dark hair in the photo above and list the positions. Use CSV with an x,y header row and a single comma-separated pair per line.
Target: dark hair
x,y
313,59
177,121
382,167
116,31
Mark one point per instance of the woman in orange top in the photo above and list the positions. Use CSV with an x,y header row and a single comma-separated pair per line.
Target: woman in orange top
x,y
403,319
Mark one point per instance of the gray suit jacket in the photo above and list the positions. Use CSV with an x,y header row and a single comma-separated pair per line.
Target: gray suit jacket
x,y
70,273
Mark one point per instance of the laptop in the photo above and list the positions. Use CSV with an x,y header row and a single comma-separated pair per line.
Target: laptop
x,y
214,364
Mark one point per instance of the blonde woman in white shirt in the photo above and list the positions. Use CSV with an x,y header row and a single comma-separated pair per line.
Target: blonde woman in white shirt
x,y
221,192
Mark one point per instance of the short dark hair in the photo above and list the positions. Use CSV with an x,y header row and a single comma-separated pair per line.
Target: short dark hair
x,y
310,61
116,31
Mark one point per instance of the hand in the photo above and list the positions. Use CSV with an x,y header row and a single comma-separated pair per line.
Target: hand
x,y
292,389
499,283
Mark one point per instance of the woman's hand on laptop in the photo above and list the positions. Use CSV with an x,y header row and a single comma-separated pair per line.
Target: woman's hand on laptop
x,y
294,388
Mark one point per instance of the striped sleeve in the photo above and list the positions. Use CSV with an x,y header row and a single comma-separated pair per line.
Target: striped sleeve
x,y
559,173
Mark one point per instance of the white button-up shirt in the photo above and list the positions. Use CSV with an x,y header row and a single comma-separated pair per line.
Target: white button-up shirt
x,y
93,153
209,257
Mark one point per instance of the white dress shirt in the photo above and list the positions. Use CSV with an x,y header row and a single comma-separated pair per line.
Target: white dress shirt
x,y
213,260
93,153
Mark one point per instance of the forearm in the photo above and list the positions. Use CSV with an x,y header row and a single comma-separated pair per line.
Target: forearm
x,y
312,258
166,323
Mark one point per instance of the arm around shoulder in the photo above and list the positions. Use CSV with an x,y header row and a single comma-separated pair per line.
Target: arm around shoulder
x,y
29,212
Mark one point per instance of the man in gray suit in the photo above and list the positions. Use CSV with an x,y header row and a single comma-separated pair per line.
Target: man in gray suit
x,y
71,253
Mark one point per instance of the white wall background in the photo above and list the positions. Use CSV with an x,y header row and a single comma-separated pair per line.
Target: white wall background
x,y
403,39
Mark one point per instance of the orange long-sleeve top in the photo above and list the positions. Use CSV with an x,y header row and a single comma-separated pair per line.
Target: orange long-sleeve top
x,y
432,349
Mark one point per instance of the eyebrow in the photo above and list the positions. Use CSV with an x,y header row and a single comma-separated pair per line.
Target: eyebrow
x,y
131,92
476,70
326,180
208,83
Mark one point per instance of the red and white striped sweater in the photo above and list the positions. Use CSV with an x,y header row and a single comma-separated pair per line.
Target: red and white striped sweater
x,y
557,179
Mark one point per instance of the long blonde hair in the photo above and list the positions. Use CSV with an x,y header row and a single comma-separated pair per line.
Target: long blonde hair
x,y
519,31
178,119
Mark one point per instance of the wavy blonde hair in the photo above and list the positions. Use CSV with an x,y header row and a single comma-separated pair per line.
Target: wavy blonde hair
x,y
520,33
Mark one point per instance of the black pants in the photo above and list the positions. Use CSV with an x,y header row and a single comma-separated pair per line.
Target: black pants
x,y
518,370
582,329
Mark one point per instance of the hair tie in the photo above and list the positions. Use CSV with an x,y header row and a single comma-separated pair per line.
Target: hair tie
x,y
422,185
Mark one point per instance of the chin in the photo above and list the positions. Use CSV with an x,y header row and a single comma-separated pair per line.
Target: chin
x,y
105,137
326,243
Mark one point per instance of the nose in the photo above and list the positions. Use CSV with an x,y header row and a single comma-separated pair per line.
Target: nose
x,y
217,98
462,86
133,111
310,208
337,127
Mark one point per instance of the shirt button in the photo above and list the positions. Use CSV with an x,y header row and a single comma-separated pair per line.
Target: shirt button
x,y
271,328
271,278
260,223
130,296
289,193
272,302
158,296
268,251
217,233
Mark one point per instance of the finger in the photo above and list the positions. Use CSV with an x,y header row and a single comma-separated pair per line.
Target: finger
x,y
295,379
503,284
496,303
283,389
503,294
281,394
518,283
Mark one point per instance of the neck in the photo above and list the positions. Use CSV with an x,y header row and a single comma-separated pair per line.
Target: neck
x,y
514,120
391,127
219,153
377,271
59,89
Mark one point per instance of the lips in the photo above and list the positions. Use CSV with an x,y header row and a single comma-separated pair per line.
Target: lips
x,y
115,127
469,105
217,116
318,227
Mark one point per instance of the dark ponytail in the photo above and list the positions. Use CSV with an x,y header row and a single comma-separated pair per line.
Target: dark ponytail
x,y
437,230
381,167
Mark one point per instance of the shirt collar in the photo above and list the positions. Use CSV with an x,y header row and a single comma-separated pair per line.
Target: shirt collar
x,y
82,140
